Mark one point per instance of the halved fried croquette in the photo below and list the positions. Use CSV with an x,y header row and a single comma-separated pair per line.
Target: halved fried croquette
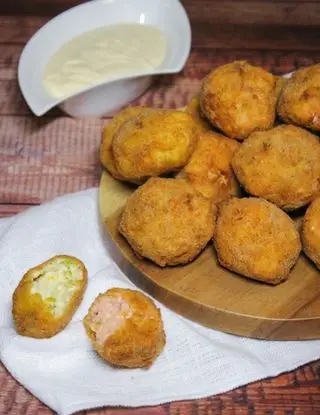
x,y
125,328
48,295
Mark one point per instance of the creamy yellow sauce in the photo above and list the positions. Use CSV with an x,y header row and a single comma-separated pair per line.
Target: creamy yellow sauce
x,y
103,54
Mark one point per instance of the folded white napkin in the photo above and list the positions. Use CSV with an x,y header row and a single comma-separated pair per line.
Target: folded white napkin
x,y
66,374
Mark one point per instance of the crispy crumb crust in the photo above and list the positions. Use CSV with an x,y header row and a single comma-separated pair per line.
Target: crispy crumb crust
x,y
139,340
209,168
32,316
238,98
154,144
256,239
299,101
310,233
193,108
108,133
167,221
281,165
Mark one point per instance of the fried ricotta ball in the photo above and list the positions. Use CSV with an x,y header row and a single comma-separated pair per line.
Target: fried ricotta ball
x,y
154,144
193,108
125,328
256,239
48,295
310,234
209,168
167,221
281,165
238,98
108,132
299,101
281,83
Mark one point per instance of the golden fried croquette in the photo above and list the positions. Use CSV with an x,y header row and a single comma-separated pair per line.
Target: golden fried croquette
x,y
310,233
256,239
108,132
281,165
153,144
48,295
299,101
167,221
209,168
193,108
125,328
281,83
238,99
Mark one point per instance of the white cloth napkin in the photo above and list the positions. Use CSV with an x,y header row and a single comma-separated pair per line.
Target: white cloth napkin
x,y
66,374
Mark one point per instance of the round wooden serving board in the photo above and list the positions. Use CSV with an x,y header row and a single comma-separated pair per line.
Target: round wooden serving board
x,y
208,294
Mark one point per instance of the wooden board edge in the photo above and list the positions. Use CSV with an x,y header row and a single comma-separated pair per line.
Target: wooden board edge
x,y
217,319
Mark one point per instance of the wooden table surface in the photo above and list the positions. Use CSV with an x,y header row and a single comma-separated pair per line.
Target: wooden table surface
x,y
41,158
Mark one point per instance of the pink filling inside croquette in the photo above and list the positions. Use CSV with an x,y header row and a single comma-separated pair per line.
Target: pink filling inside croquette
x,y
107,315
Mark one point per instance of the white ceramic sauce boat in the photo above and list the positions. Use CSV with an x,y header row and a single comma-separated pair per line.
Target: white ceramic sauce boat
x,y
110,95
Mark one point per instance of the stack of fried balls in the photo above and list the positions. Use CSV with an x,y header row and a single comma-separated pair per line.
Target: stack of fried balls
x,y
234,167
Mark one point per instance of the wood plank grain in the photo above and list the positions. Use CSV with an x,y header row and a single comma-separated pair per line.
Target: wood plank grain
x,y
18,29
41,7
294,393
234,10
9,58
292,13
208,31
236,36
12,101
44,158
